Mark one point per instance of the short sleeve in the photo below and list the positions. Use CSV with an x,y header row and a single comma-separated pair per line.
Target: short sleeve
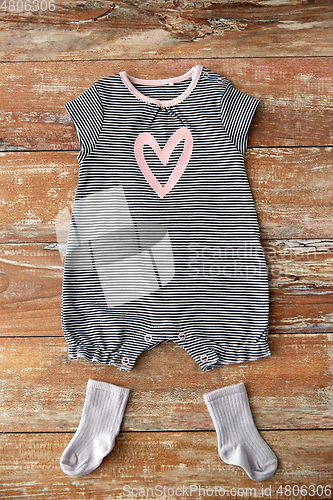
x,y
237,111
86,113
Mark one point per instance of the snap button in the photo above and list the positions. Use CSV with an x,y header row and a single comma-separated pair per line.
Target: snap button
x,y
204,358
219,80
148,337
181,336
205,74
125,361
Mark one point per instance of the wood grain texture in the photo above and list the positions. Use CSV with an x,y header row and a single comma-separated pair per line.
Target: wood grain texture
x,y
173,460
300,279
292,189
279,51
42,391
296,97
155,29
300,294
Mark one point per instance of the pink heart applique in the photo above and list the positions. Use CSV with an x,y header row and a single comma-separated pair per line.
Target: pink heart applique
x,y
164,156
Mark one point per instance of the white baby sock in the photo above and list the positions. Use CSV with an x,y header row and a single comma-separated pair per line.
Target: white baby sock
x,y
100,422
239,441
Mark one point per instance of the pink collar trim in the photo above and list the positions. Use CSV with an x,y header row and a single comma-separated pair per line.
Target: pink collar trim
x,y
194,73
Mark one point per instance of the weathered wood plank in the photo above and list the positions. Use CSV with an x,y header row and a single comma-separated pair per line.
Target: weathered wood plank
x,y
172,460
41,390
35,188
165,29
296,96
292,189
300,276
300,280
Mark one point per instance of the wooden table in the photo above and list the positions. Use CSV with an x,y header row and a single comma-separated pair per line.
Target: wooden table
x,y
279,52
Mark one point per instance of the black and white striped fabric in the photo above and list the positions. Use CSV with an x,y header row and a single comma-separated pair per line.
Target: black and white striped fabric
x,y
164,240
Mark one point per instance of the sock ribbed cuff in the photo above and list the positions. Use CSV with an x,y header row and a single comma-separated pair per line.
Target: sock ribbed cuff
x,y
105,386
224,391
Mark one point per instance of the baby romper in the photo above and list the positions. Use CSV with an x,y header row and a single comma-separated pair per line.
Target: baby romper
x,y
164,240
164,245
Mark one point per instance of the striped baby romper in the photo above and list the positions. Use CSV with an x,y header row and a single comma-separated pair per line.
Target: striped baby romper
x,y
164,240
